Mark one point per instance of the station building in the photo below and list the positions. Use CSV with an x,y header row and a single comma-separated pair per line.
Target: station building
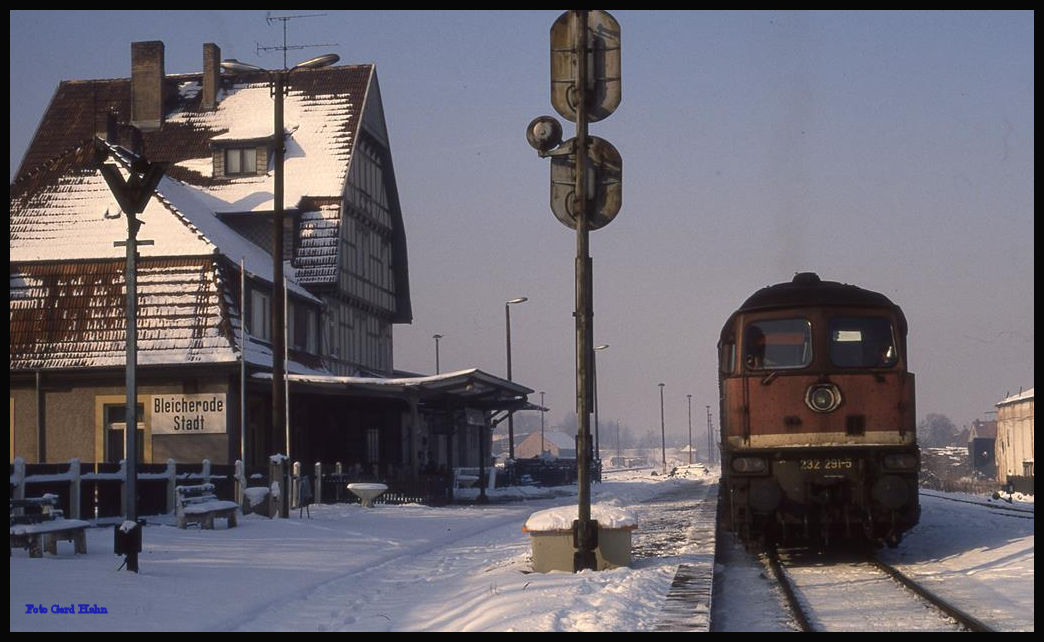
x,y
204,279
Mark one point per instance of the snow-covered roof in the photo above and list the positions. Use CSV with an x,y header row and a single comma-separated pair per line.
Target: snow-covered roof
x,y
73,215
322,118
319,131
480,389
72,315
1020,396
65,221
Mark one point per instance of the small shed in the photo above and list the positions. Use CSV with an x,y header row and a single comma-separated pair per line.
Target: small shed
x,y
981,440
557,444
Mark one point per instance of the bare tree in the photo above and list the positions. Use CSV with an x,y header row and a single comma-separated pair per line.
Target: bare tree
x,y
936,431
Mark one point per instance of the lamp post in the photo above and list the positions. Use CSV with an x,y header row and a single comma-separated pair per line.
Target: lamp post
x,y
511,414
710,451
618,452
436,337
278,79
594,376
541,424
663,433
690,427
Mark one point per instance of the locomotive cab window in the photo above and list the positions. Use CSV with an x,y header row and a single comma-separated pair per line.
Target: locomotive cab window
x,y
727,358
775,344
727,352
862,342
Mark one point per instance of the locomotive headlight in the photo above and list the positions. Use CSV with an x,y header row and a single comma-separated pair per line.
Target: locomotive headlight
x,y
823,397
900,461
891,492
749,465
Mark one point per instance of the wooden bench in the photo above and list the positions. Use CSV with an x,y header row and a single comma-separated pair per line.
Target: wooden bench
x,y
198,504
37,524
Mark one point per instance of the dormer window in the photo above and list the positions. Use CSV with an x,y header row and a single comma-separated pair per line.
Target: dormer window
x,y
241,161
236,156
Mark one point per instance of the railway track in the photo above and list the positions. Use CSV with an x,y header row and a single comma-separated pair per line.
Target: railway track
x,y
858,592
1008,511
837,591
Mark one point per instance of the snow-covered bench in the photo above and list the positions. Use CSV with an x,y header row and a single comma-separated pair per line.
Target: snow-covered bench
x,y
199,504
37,524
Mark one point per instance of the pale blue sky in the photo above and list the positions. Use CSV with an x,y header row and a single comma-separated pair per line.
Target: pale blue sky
x,y
891,150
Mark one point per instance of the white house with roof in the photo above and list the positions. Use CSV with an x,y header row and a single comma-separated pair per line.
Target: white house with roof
x,y
1014,446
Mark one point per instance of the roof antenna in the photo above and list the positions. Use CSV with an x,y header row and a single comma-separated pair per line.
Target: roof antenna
x,y
269,18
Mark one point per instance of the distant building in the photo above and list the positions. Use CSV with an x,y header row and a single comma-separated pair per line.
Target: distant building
x,y
556,444
981,439
1014,449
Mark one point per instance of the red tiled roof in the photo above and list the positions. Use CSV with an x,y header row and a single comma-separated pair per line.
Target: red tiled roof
x,y
80,109
73,314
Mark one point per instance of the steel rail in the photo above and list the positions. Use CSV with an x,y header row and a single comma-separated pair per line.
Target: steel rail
x,y
984,505
963,618
771,559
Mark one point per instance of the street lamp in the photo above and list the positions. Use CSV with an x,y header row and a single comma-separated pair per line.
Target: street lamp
x,y
511,414
710,451
278,79
542,410
663,433
690,427
436,337
594,376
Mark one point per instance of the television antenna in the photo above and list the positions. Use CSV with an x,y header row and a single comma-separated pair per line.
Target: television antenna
x,y
269,18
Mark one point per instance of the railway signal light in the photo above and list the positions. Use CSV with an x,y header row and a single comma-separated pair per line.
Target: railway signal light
x,y
602,52
586,193
544,133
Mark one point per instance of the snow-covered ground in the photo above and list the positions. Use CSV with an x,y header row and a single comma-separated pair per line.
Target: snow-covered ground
x,y
457,568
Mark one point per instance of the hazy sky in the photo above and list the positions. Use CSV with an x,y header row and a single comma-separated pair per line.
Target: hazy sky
x,y
891,150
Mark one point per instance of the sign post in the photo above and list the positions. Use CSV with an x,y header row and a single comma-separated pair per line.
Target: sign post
x,y
586,194
132,195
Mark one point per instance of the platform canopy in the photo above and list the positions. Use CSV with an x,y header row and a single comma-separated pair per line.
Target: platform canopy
x,y
471,388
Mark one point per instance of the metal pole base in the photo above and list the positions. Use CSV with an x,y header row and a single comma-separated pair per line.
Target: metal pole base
x,y
585,541
584,560
132,562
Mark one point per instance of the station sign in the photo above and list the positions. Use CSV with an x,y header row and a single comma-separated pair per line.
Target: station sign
x,y
181,414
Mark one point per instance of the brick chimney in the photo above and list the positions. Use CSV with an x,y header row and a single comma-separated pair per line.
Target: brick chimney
x,y
211,75
147,76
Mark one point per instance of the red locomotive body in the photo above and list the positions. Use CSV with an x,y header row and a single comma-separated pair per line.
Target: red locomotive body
x,y
817,416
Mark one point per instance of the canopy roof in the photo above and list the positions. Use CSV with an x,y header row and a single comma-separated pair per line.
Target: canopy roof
x,y
473,388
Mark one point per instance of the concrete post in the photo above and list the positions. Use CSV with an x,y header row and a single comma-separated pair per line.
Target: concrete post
x,y
318,483
74,488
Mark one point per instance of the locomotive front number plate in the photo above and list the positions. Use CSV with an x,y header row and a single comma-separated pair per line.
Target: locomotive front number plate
x,y
827,463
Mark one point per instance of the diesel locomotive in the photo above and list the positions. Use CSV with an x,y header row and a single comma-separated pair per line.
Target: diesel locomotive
x,y
818,433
